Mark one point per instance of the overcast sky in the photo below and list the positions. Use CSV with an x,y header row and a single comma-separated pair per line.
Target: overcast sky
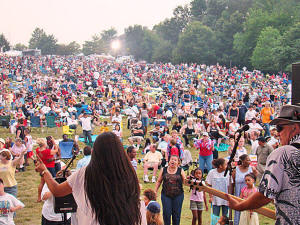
x,y
78,20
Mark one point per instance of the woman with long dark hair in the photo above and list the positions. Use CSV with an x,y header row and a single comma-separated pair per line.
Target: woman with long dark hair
x,y
106,190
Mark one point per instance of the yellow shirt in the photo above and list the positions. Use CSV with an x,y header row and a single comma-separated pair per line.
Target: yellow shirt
x,y
266,114
7,174
104,129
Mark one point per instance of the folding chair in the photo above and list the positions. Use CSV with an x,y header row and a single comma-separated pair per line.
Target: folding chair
x,y
4,121
68,131
35,121
51,122
66,151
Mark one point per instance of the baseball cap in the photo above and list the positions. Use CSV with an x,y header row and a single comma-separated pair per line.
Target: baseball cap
x,y
2,140
262,139
153,207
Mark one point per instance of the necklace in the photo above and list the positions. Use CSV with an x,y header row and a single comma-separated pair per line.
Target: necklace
x,y
171,170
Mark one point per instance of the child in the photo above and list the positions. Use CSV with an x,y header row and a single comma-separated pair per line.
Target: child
x,y
9,205
241,150
153,214
104,127
117,131
223,220
216,180
28,144
197,200
16,151
149,195
249,217
174,150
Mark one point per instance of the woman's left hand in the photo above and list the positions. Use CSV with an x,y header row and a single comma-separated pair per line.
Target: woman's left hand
x,y
39,166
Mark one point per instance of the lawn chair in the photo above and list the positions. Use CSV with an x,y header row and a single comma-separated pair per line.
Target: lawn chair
x,y
51,122
68,131
35,121
4,121
66,151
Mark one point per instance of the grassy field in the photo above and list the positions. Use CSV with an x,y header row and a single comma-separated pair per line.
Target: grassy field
x,y
28,182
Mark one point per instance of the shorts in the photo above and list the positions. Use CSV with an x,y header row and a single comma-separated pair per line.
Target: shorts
x,y
196,205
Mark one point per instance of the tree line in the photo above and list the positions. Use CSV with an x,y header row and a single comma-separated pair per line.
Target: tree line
x,y
258,34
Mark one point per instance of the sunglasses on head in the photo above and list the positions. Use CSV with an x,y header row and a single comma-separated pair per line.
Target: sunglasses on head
x,y
280,127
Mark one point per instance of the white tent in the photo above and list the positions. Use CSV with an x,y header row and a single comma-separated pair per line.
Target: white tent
x,y
13,53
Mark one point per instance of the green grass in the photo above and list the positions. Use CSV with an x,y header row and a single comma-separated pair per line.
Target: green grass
x,y
28,182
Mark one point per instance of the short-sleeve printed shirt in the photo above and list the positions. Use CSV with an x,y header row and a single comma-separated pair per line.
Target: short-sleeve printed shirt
x,y
281,181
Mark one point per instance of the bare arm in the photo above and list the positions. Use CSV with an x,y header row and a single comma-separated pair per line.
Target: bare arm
x,y
255,201
17,160
58,190
159,180
46,196
55,150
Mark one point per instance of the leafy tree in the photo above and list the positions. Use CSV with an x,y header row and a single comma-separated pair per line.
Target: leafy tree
x,y
134,38
40,40
214,12
96,45
265,55
4,44
196,45
70,49
106,37
20,47
162,52
198,9
170,29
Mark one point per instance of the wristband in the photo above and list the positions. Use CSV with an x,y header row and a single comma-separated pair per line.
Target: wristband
x,y
43,172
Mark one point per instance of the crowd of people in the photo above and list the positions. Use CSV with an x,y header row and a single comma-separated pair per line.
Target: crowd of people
x,y
170,111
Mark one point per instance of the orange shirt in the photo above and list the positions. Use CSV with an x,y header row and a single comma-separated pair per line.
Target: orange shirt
x,y
266,113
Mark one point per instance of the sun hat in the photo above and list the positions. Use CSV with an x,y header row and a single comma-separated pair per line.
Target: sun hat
x,y
288,113
153,207
2,140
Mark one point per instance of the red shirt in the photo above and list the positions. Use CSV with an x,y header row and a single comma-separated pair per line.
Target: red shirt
x,y
45,155
174,151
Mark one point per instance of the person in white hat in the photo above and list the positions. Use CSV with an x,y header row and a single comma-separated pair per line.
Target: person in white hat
x,y
281,178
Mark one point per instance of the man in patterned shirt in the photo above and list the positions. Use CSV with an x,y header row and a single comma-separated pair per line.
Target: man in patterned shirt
x,y
281,179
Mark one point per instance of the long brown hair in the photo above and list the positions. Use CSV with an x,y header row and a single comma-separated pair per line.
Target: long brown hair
x,y
111,184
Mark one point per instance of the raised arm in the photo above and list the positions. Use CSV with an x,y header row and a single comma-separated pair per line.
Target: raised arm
x,y
58,190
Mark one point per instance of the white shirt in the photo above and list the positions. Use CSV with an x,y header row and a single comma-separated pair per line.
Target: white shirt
x,y
84,211
86,123
64,114
254,127
46,109
72,109
117,119
239,152
219,182
250,114
272,141
254,145
71,121
169,113
6,202
48,207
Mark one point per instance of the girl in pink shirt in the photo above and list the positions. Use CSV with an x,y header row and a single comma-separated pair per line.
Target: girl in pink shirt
x,y
197,199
